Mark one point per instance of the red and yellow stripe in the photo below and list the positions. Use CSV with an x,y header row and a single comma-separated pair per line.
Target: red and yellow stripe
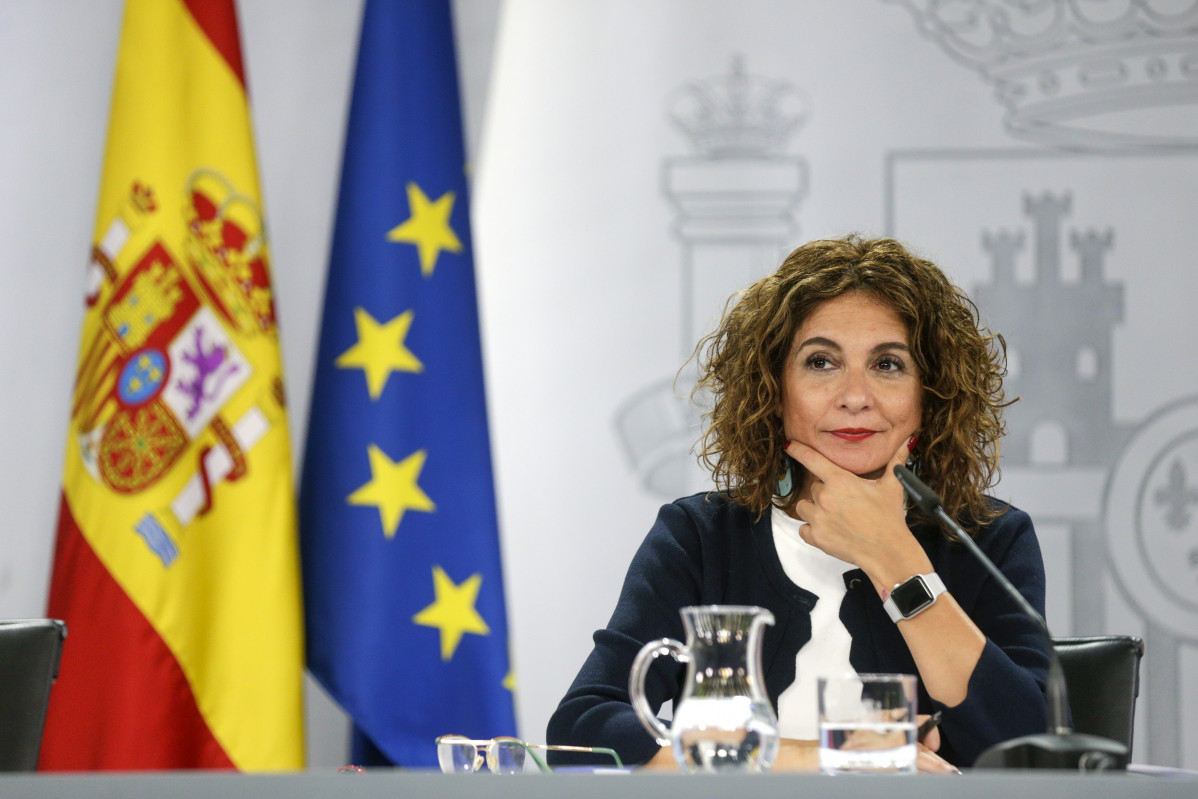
x,y
195,663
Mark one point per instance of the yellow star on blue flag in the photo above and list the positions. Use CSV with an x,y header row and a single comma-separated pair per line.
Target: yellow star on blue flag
x,y
393,488
380,349
428,227
453,611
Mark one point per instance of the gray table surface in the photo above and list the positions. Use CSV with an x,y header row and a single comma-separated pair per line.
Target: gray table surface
x,y
395,784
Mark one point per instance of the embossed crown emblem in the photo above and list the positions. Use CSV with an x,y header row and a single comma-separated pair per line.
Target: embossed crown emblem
x,y
738,114
1096,75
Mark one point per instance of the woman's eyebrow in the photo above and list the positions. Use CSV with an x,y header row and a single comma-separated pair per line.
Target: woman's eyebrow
x,y
820,341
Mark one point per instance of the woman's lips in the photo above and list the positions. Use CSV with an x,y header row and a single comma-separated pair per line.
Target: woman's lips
x,y
852,433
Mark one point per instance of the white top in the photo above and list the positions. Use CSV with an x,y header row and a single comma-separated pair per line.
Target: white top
x,y
827,652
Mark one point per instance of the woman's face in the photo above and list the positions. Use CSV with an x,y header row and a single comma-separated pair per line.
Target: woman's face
x,y
850,388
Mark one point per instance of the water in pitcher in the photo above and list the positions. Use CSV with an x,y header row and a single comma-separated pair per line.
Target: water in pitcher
x,y
723,721
724,734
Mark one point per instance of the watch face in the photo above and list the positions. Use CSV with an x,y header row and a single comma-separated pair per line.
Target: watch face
x,y
912,596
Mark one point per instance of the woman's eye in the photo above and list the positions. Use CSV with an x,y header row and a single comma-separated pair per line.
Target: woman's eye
x,y
889,364
817,362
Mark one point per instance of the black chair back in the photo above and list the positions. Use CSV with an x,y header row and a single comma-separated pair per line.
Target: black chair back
x,y
1103,676
30,650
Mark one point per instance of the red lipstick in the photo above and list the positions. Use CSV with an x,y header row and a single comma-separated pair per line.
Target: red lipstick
x,y
852,433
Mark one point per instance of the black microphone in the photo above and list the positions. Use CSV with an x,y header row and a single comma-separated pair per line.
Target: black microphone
x,y
1060,747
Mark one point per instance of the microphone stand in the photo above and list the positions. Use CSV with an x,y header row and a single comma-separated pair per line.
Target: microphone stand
x,y
1060,747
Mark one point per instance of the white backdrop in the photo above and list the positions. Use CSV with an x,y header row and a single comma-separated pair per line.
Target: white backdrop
x,y
618,201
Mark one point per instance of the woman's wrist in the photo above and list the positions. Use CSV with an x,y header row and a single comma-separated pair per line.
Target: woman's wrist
x,y
894,570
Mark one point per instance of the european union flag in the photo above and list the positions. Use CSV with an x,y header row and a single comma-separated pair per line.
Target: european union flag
x,y
403,591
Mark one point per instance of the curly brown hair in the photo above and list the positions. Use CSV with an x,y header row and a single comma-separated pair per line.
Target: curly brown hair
x,y
961,366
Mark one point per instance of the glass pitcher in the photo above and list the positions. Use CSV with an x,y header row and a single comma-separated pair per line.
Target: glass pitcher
x,y
723,721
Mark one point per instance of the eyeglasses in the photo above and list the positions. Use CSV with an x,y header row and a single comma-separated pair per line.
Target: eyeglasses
x,y
458,754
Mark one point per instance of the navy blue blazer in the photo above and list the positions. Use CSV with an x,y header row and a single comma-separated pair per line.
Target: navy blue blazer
x,y
705,549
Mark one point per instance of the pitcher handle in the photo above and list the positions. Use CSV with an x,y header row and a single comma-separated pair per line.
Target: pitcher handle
x,y
636,683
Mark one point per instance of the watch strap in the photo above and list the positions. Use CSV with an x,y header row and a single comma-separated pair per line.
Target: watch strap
x,y
933,584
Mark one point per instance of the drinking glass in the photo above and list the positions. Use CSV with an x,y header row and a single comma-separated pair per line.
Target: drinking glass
x,y
867,723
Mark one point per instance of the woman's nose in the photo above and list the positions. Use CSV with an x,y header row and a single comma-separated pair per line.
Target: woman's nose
x,y
854,390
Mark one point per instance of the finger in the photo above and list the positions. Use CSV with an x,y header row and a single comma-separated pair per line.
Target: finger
x,y
931,763
813,461
805,531
900,455
803,510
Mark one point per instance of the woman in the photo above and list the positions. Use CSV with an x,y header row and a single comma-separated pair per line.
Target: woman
x,y
854,356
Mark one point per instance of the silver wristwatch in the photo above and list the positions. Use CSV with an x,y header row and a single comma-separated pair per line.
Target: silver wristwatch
x,y
913,596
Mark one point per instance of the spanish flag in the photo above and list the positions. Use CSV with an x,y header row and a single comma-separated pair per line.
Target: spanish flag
x,y
176,565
